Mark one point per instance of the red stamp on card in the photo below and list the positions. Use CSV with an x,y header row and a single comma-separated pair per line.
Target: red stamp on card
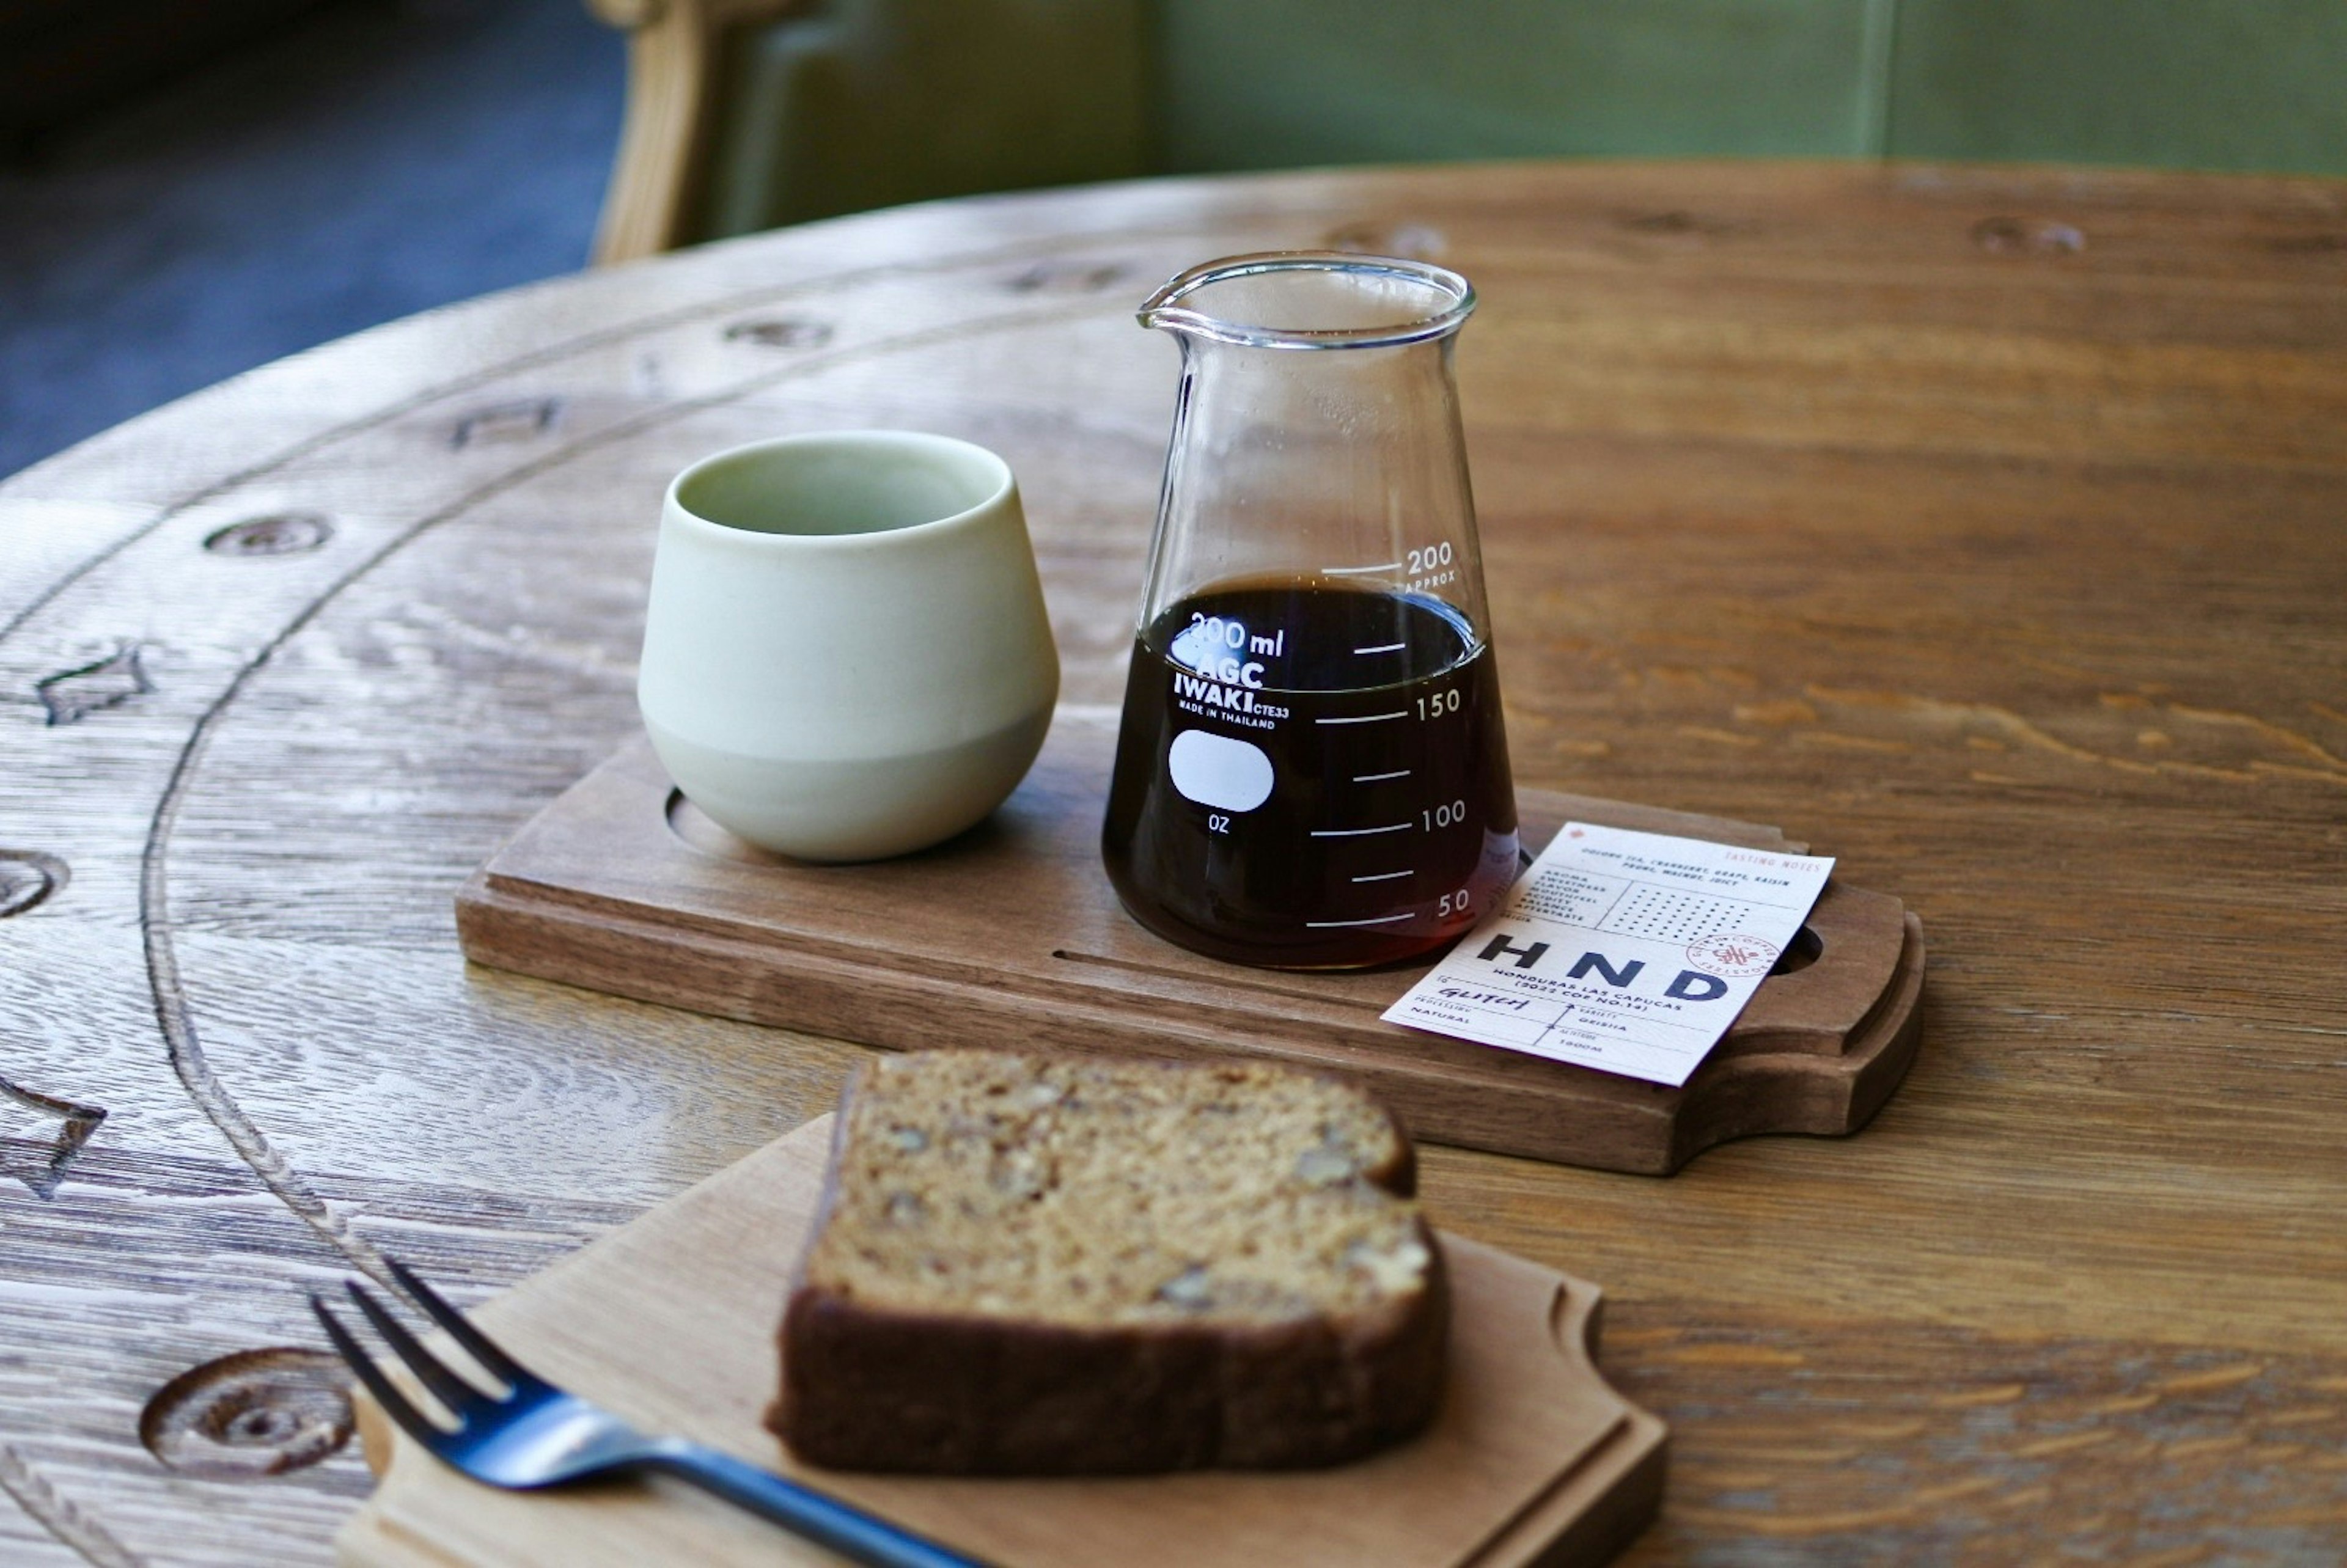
x,y
1734,957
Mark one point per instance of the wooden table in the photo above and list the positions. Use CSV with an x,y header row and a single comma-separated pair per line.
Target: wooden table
x,y
1982,526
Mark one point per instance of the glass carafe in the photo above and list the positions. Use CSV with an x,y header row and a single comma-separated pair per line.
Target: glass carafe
x,y
1312,771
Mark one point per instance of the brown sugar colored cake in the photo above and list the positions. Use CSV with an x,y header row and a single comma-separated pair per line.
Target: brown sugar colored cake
x,y
1035,1264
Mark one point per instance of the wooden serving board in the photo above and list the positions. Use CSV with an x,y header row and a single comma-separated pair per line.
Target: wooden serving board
x,y
670,1321
1011,936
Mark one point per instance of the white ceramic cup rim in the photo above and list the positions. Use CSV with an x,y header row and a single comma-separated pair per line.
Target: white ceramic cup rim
x,y
906,443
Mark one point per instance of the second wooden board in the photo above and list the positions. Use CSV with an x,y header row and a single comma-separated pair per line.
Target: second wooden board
x,y
670,1322
1010,936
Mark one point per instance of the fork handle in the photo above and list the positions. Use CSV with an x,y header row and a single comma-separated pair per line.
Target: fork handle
x,y
852,1533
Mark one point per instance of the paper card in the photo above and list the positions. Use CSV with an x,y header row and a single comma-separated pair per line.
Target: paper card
x,y
1629,953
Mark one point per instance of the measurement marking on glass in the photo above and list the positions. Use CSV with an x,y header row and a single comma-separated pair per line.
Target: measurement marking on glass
x,y
1366,717
1358,571
1358,831
1385,877
1380,778
1383,648
1380,920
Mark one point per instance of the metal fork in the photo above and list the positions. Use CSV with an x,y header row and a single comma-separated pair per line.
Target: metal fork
x,y
535,1435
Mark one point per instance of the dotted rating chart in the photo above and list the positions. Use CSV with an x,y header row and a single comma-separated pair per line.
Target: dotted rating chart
x,y
1671,914
1622,907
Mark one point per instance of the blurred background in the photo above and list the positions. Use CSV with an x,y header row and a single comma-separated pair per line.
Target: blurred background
x,y
191,189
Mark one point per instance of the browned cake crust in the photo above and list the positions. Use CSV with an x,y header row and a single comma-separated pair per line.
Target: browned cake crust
x,y
900,1358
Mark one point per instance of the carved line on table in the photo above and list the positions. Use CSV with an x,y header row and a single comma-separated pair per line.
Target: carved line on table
x,y
173,1014
1271,212
40,1500
587,342
376,421
78,1122
1266,209
181,1043
57,1513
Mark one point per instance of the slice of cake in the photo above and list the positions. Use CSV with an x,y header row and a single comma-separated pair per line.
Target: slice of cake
x,y
1042,1264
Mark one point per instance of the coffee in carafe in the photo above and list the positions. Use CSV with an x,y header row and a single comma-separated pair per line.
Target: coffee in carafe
x,y
1312,769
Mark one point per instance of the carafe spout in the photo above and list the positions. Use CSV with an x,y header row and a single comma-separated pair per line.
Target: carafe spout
x,y
1311,299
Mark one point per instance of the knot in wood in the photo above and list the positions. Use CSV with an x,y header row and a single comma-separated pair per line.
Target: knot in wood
x,y
781,332
2026,237
1677,223
506,422
254,1413
280,534
1067,277
2307,244
1410,241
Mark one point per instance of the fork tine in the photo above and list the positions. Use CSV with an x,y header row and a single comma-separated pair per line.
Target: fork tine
x,y
453,1392
394,1403
494,1361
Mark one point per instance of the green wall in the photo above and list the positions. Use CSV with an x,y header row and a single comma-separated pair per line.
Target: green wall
x,y
2185,83
2198,84
1265,84
861,103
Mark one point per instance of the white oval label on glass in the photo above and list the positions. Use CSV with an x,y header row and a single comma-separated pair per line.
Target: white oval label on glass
x,y
1217,771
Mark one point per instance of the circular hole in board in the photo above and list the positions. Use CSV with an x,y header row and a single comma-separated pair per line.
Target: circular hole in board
x,y
704,835
694,825
1806,947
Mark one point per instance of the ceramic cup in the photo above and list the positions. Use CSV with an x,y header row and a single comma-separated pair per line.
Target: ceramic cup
x,y
846,655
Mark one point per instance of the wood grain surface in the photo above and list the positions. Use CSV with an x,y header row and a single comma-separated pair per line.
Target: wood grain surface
x,y
1010,936
1979,526
670,1322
